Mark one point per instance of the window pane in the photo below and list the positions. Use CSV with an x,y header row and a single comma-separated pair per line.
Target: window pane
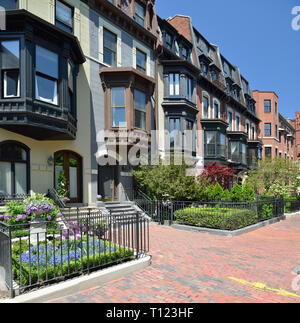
x,y
119,117
5,178
46,62
10,54
140,119
46,90
174,132
140,60
109,57
11,83
211,142
12,152
64,14
109,40
140,100
118,97
21,178
205,107
216,111
73,182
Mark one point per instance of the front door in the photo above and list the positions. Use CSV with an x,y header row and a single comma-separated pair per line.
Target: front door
x,y
108,183
69,164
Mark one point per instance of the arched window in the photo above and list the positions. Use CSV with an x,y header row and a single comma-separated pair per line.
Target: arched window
x,y
216,108
14,168
205,105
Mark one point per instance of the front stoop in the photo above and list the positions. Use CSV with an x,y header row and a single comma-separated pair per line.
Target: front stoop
x,y
82,283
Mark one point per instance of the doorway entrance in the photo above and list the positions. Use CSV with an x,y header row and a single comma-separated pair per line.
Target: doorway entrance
x,y
69,164
108,182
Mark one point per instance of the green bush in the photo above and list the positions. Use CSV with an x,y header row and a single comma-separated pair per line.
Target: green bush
x,y
248,194
226,197
236,193
216,218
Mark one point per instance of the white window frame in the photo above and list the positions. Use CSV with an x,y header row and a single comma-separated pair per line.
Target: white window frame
x,y
247,122
5,86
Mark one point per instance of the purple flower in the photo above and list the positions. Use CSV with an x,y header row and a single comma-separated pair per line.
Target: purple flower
x,y
49,218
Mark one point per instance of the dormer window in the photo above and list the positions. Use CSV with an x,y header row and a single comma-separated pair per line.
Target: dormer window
x,y
204,68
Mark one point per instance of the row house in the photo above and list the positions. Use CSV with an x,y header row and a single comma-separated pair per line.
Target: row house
x,y
296,124
227,122
69,70
277,133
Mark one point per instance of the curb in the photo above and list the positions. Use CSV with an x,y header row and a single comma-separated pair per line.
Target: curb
x,y
79,284
229,233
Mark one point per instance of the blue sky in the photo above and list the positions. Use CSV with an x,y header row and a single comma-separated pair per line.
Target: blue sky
x,y
256,35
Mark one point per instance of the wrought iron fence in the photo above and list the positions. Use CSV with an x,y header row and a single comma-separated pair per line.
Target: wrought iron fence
x,y
36,254
217,215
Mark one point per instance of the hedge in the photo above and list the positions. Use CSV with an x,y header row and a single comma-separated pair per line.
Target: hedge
x,y
216,218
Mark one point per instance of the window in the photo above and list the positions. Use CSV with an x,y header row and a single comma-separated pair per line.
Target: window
x,y
244,154
64,16
174,84
268,130
140,110
248,129
216,110
190,140
141,60
222,148
230,120
139,14
14,168
175,133
211,141
268,152
276,131
189,88
118,107
235,151
109,48
237,123
168,41
267,104
253,132
205,102
184,53
276,107
46,79
71,87
10,64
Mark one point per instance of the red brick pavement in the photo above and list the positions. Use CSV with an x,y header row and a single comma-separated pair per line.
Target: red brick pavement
x,y
195,268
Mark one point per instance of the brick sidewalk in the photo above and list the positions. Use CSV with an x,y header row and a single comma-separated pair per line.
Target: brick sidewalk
x,y
194,267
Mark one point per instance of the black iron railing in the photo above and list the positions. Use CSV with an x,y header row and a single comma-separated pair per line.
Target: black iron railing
x,y
47,253
218,215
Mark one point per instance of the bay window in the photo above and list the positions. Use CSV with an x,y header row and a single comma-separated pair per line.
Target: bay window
x,y
215,144
175,134
10,65
140,109
46,80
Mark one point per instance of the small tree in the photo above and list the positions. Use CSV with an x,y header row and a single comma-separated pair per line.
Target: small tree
x,y
219,174
248,193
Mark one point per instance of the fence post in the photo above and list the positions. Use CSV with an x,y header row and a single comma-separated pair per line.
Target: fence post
x,y
11,287
137,235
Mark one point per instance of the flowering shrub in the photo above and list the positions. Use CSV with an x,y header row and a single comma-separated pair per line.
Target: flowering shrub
x,y
48,260
29,209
